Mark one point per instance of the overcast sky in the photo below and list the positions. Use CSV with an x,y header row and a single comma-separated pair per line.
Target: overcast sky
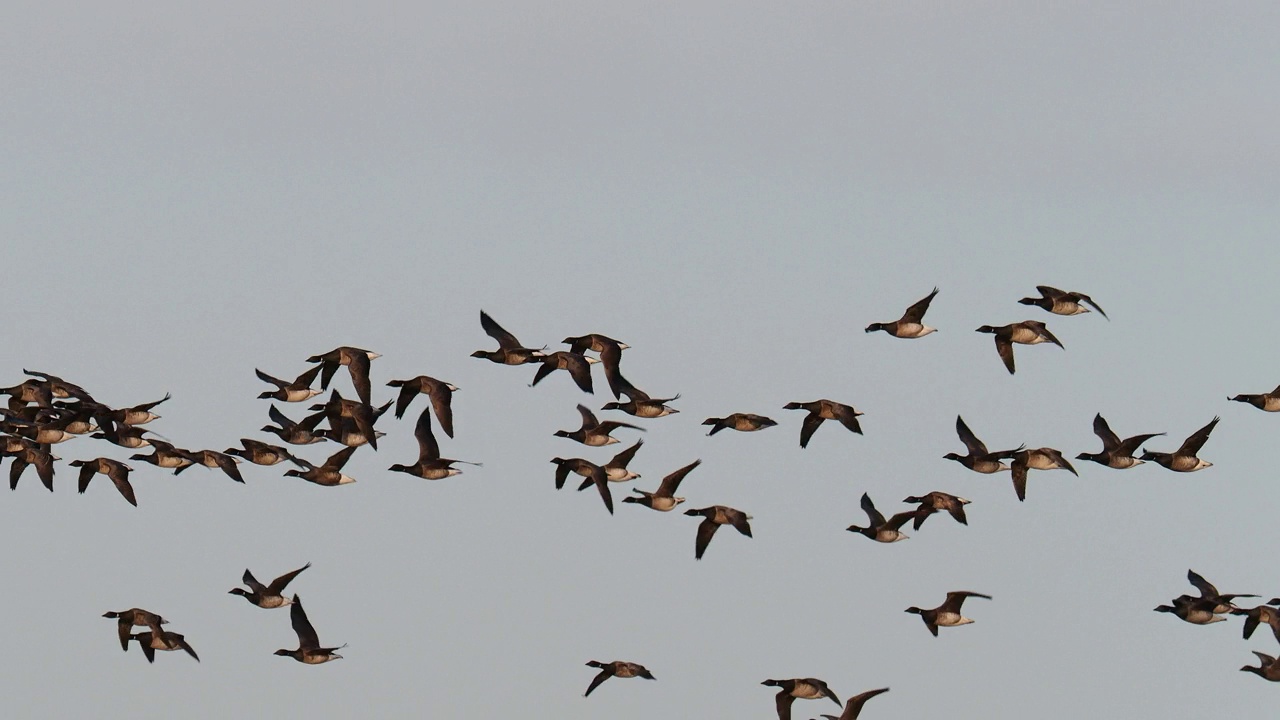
x,y
193,190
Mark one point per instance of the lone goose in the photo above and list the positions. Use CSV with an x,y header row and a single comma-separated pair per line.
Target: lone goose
x,y
328,474
1060,302
617,668
948,613
578,367
1261,614
31,455
127,619
152,641
853,707
357,362
510,351
294,433
1027,332
742,422
1116,453
299,390
1270,402
639,403
439,392
1184,458
594,433
1268,668
820,410
260,453
309,650
935,502
114,469
911,325
1036,459
792,688
879,529
430,465
664,499
979,459
267,596
712,518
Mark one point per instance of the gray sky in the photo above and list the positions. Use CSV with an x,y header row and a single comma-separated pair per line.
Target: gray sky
x,y
734,189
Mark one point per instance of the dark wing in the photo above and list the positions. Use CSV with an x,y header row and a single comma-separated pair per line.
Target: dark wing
x,y
811,423
897,521
119,475
957,512
1091,304
1004,347
706,531
358,366
609,426
620,385
1197,439
671,482
1018,468
1043,331
548,366
602,484
956,598
428,448
307,638
408,391
1250,624
971,441
1130,445
338,459
15,472
145,407
611,358
1049,292
580,370
588,419
149,651
442,399
854,706
86,474
562,473
306,378
44,468
252,582
740,522
273,380
600,677
621,459
182,643
123,630
1206,588
227,464
279,583
915,313
847,417
278,417
506,340
877,519
1110,441
783,701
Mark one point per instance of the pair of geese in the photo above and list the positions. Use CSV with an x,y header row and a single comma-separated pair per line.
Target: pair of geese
x,y
789,690
1029,332
309,651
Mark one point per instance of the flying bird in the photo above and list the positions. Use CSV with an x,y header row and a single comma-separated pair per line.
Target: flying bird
x,y
911,325
820,410
948,613
712,518
357,362
1060,302
617,668
309,650
1028,332
510,351
267,596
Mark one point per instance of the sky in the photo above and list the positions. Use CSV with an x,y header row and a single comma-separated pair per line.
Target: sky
x,y
191,191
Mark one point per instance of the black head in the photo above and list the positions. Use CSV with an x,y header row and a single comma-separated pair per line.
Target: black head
x,y
792,406
1095,457
111,614
561,433
480,354
914,610
140,457
399,468
266,395
595,664
712,421
1147,455
986,329
238,591
855,528
874,327
286,653
914,499
772,683
953,456
631,499
612,406
293,473
1165,608
694,512
1030,301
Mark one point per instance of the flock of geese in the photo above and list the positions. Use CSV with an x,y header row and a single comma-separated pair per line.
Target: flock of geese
x,y
46,410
